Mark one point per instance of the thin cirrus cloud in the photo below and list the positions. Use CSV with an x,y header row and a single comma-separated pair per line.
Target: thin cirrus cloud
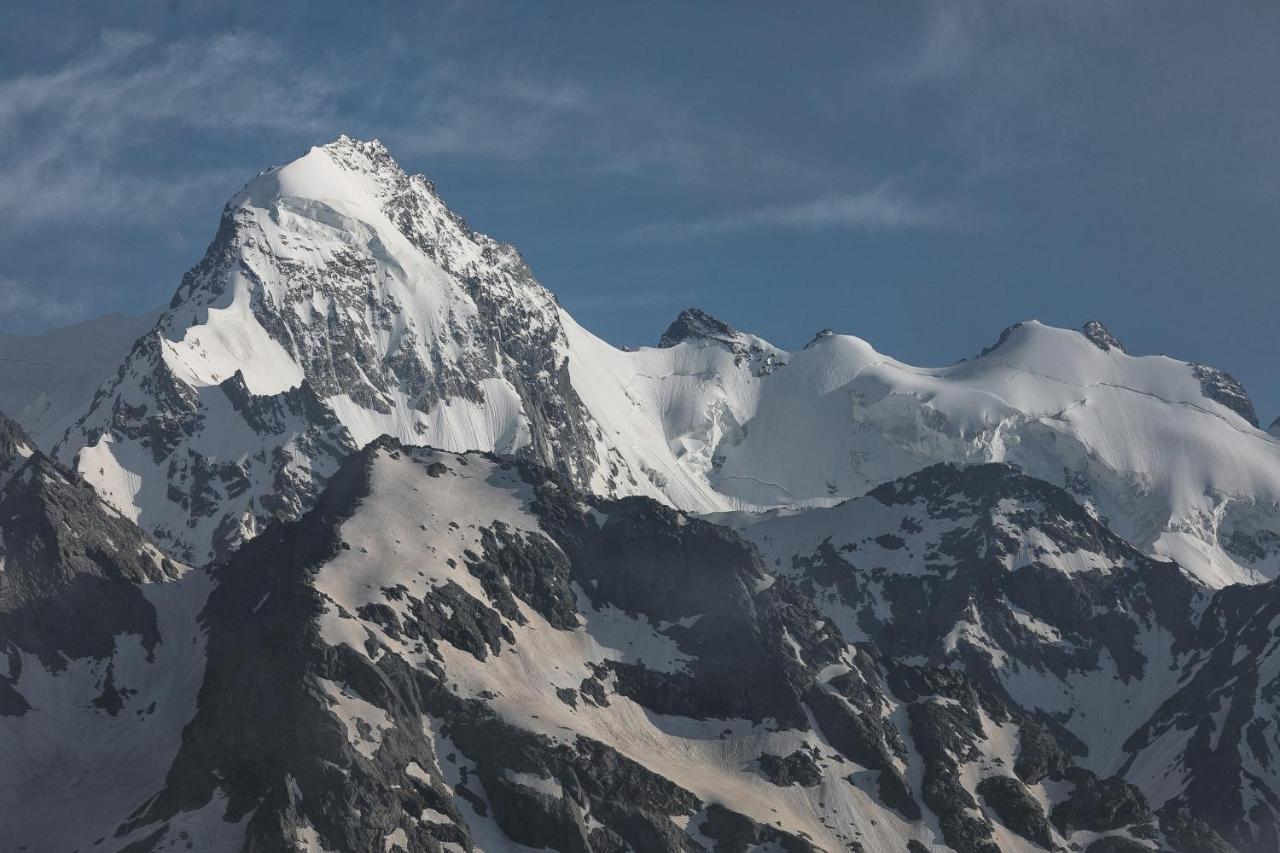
x,y
88,125
589,129
948,43
880,208
81,122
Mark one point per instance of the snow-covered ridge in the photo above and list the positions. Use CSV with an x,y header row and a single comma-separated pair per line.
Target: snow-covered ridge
x,y
341,299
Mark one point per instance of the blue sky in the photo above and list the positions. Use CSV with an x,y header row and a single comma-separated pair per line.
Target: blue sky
x,y
920,174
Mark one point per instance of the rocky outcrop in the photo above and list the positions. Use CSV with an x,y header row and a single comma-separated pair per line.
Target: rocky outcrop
x,y
70,568
1222,387
1101,337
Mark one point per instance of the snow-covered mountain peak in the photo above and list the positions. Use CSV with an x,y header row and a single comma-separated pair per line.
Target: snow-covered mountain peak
x,y
698,328
1080,358
342,300
352,303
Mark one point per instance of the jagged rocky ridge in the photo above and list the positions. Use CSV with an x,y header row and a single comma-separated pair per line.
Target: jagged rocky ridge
x,y
70,569
100,657
1135,667
341,299
456,651
464,652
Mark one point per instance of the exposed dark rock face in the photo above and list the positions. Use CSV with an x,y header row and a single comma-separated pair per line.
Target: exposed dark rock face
x,y
695,325
983,568
1101,337
1187,834
1222,387
737,834
946,727
798,768
1016,808
959,571
1228,707
1040,756
1099,805
69,568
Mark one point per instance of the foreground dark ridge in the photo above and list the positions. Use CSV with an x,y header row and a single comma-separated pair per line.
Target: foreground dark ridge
x,y
461,649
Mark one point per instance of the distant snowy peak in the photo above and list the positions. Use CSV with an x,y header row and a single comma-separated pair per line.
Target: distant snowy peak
x,y
696,324
697,327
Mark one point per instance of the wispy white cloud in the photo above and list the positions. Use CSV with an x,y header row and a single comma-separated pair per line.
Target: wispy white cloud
x,y
72,138
947,46
883,207
994,63
66,132
522,117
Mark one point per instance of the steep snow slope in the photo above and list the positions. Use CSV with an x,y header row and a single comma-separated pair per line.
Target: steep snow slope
x,y
458,652
342,300
47,380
